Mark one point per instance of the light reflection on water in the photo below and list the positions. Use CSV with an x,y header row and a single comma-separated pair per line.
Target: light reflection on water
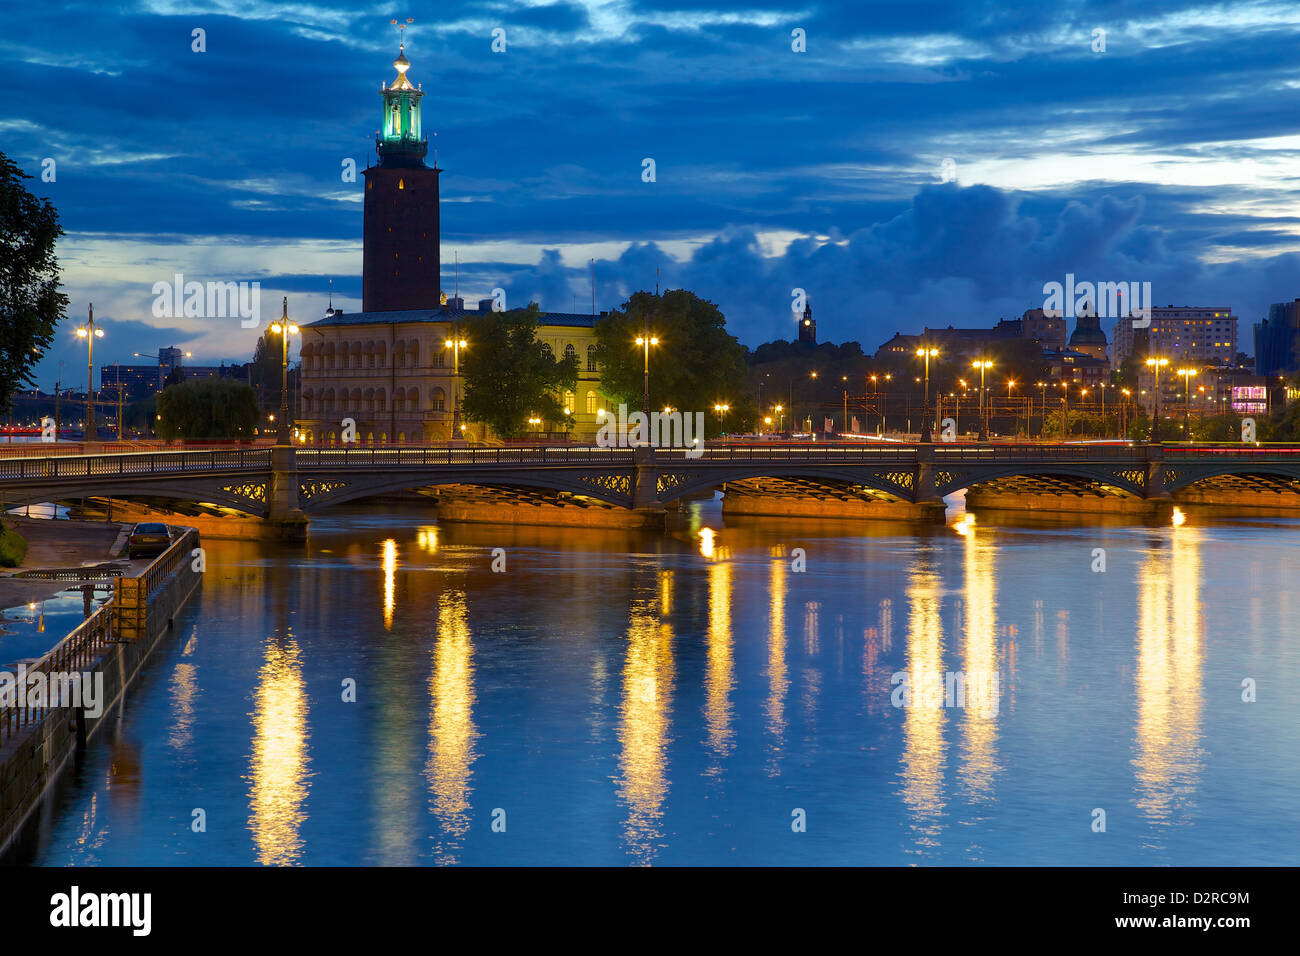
x,y
616,697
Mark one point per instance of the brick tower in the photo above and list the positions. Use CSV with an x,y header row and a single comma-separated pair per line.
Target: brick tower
x,y
401,263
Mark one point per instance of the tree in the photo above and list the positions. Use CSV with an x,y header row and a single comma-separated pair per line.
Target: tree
x,y
31,305
207,408
175,377
510,376
696,364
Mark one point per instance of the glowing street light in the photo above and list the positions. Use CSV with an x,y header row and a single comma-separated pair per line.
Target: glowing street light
x,y
983,365
456,344
284,328
1187,374
645,341
1157,364
90,332
927,432
721,408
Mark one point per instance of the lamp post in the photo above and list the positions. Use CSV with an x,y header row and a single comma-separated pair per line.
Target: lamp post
x,y
284,328
1187,374
456,344
927,433
90,332
1157,364
1065,410
983,365
1042,389
645,341
721,408
780,411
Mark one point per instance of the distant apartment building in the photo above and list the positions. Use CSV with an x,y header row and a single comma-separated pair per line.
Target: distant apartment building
x,y
137,381
1277,340
1183,333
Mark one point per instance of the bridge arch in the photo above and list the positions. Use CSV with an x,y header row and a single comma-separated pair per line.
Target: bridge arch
x,y
1126,478
895,483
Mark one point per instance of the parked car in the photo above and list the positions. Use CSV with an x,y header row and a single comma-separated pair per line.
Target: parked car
x,y
149,537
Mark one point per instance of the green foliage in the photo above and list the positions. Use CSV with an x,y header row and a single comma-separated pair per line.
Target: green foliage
x,y
13,547
510,376
207,408
31,305
696,365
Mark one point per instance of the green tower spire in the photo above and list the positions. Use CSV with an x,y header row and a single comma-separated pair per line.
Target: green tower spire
x,y
401,141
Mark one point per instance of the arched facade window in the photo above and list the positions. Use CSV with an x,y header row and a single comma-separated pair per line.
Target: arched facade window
x,y
592,402
571,352
591,358
548,351
438,400
413,399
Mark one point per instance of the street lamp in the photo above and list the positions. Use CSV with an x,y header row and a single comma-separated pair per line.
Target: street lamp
x,y
645,341
983,365
1157,364
284,328
90,332
1187,374
456,345
780,410
721,409
927,434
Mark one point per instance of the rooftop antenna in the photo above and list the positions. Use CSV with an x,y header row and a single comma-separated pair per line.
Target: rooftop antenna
x,y
592,263
330,311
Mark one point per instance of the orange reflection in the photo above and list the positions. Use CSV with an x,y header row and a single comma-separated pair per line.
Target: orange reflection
x,y
451,725
718,680
643,730
278,774
1170,652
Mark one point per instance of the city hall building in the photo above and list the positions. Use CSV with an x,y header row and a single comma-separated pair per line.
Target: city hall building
x,y
392,367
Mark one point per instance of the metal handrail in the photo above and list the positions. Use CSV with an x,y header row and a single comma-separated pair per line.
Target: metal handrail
x,y
89,639
74,654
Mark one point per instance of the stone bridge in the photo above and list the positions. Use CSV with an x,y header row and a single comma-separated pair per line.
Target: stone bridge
x,y
284,484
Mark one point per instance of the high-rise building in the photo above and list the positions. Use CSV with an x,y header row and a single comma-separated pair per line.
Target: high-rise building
x,y
401,261
1184,333
1277,340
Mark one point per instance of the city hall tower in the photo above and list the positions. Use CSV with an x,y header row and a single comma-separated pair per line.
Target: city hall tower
x,y
401,261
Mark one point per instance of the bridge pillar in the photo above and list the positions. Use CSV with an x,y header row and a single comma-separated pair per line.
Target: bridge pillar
x,y
289,520
1155,476
923,490
645,485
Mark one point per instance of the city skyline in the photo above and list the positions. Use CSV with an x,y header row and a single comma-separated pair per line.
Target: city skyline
x,y
239,187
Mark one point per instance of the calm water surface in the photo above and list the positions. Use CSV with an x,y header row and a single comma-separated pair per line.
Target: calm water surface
x,y
685,698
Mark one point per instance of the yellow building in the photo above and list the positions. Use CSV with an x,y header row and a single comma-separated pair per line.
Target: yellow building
x,y
394,375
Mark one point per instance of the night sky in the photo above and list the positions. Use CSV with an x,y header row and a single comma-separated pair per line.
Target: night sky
x,y
1171,157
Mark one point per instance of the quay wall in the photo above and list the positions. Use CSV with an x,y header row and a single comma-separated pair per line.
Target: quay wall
x,y
116,641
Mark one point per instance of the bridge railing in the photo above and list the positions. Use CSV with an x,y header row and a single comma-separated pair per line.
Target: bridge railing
x,y
135,465
496,455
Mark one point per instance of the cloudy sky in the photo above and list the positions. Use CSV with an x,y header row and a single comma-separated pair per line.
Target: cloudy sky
x,y
920,163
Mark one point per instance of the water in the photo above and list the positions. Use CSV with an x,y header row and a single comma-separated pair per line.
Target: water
x,y
30,630
623,698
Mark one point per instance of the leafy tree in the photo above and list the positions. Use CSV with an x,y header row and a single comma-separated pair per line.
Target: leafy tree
x,y
175,377
510,376
31,305
696,364
207,408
